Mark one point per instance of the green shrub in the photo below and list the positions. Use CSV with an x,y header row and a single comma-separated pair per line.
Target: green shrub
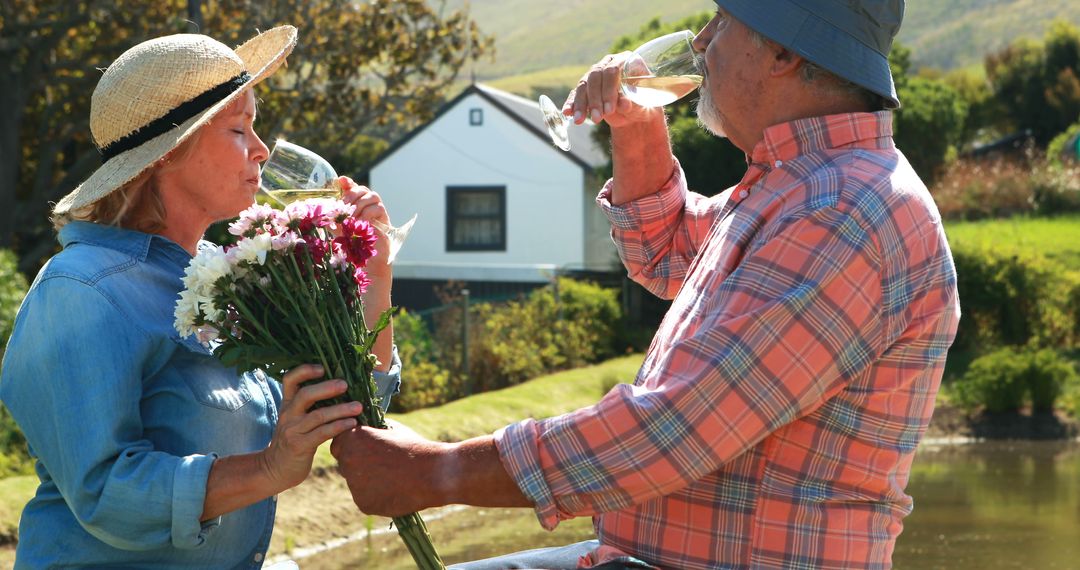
x,y
1008,378
1057,152
1073,308
12,290
1048,375
994,382
1055,189
1013,299
14,458
1070,393
929,127
424,382
591,315
552,328
518,340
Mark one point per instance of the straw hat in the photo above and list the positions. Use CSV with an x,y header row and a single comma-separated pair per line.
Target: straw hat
x,y
159,92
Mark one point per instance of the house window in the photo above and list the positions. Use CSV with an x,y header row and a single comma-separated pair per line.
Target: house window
x,y
476,218
476,117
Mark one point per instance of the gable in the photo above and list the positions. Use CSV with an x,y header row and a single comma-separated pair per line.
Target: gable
x,y
584,153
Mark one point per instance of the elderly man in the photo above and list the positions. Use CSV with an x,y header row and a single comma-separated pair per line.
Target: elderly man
x,y
775,418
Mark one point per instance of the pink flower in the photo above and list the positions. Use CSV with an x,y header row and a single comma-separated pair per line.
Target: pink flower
x,y
357,240
361,279
257,219
306,216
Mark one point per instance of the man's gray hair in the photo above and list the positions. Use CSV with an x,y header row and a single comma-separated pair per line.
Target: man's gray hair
x,y
823,79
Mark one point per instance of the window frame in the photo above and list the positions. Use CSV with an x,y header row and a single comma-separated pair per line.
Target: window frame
x,y
451,218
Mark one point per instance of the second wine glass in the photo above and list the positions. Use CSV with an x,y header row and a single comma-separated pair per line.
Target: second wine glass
x,y
292,173
657,73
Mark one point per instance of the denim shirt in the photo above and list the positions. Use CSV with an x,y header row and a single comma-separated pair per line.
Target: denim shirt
x,y
124,418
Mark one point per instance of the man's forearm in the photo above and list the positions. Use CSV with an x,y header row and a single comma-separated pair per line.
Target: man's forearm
x,y
641,158
474,475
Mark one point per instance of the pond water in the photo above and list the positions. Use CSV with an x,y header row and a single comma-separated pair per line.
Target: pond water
x,y
984,505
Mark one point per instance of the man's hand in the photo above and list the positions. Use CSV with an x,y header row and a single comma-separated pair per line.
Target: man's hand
x,y
640,146
392,472
599,97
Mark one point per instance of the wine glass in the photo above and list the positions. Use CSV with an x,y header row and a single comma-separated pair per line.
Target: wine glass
x,y
660,71
293,173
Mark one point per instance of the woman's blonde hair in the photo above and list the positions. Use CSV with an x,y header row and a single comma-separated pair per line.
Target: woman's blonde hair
x,y
137,204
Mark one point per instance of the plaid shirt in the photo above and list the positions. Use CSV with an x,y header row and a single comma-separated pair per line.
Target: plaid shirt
x,y
775,418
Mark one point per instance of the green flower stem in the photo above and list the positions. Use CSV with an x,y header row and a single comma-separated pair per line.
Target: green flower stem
x,y
316,313
316,345
414,534
240,306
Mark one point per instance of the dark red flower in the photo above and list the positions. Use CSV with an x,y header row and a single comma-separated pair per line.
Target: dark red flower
x,y
357,241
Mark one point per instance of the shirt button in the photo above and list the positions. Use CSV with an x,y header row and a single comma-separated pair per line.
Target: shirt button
x,y
778,163
258,557
743,194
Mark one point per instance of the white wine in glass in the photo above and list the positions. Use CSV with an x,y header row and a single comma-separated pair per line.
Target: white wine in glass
x,y
653,91
659,72
292,173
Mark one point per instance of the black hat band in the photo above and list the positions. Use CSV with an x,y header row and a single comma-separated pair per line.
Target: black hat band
x,y
174,118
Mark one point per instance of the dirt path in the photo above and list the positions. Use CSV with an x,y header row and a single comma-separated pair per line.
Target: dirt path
x,y
318,511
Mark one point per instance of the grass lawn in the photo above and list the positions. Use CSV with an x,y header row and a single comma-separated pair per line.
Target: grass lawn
x,y
14,493
1056,238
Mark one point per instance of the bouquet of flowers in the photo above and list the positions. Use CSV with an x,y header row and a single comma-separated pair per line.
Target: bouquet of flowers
x,y
289,293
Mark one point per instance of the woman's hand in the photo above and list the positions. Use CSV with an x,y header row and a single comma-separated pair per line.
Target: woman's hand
x,y
369,207
300,430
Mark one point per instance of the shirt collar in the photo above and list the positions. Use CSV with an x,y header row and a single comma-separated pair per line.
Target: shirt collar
x,y
131,242
787,141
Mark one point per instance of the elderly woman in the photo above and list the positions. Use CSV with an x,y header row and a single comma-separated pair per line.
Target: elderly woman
x,y
150,452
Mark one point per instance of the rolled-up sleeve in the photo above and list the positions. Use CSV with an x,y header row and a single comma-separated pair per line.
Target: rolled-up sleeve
x,y
73,380
389,383
788,329
658,235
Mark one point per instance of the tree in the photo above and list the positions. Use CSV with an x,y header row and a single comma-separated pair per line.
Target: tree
x,y
985,112
929,127
373,68
1039,83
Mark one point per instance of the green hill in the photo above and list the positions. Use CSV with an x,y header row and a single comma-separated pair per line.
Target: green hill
x,y
534,37
958,33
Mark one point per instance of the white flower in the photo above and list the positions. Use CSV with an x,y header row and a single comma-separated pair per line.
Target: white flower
x,y
186,313
205,270
211,314
251,249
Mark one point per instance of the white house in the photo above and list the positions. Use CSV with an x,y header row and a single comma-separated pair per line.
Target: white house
x,y
496,201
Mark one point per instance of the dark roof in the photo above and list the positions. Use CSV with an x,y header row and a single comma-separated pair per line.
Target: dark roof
x,y
583,151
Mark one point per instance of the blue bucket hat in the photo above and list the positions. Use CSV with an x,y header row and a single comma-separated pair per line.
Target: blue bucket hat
x,y
850,38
